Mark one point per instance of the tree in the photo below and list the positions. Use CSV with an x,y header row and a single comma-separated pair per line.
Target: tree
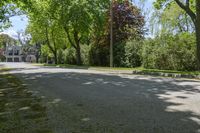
x,y
6,40
128,23
10,8
45,29
75,18
192,8
171,20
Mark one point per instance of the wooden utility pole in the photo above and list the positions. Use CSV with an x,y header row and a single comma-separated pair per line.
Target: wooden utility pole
x,y
111,33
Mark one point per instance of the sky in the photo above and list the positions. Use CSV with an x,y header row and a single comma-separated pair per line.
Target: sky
x,y
19,23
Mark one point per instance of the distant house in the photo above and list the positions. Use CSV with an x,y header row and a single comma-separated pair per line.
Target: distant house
x,y
13,53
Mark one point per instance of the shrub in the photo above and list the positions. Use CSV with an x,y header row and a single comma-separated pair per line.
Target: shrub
x,y
170,52
60,56
70,56
85,54
133,53
99,55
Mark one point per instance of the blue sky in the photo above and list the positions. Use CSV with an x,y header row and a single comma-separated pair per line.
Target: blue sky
x,y
19,23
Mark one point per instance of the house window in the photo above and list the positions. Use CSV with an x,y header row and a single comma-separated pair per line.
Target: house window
x,y
16,52
10,52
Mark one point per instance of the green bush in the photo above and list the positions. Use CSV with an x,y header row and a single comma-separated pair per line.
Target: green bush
x,y
170,52
99,55
119,55
2,58
133,53
60,56
70,56
85,54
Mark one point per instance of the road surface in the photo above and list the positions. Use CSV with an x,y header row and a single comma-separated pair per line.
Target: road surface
x,y
91,101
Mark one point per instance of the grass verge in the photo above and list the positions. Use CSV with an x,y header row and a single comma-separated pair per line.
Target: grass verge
x,y
123,69
20,111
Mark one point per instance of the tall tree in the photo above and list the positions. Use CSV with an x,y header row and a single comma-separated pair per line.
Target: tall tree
x,y
128,23
192,8
45,29
75,19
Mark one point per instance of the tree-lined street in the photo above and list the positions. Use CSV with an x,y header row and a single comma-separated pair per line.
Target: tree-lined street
x,y
92,101
99,66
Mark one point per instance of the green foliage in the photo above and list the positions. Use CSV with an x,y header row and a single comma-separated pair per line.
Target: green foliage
x,y
10,8
99,55
70,56
171,20
170,52
6,39
128,22
133,50
85,54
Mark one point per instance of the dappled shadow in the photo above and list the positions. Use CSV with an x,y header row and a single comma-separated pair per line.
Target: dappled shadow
x,y
20,110
127,104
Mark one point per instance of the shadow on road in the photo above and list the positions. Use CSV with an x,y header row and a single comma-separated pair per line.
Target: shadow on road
x,y
119,104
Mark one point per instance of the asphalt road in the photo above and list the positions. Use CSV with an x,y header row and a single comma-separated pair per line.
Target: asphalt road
x,y
90,101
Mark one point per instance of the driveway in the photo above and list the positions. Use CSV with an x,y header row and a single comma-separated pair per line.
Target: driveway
x,y
84,101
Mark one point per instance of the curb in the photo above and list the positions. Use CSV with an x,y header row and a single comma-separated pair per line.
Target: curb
x,y
173,75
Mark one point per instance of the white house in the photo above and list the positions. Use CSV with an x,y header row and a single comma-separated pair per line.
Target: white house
x,y
13,53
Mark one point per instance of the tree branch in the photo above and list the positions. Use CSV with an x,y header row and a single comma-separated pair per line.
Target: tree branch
x,y
187,9
188,3
69,38
48,42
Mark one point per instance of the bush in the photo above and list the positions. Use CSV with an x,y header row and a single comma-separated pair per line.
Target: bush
x,y
119,55
99,55
2,58
70,56
85,54
60,56
133,53
170,52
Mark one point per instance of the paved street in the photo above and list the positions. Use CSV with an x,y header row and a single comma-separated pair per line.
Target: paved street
x,y
114,103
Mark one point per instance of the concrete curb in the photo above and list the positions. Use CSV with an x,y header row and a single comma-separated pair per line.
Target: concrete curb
x,y
173,75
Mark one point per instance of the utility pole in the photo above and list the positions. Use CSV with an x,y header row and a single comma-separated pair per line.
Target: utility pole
x,y
111,33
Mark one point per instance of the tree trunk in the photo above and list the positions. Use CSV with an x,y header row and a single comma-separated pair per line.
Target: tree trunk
x,y
78,48
78,55
55,57
197,27
37,59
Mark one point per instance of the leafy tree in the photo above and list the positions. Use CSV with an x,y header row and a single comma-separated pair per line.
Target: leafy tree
x,y
192,8
128,23
6,39
10,8
44,29
75,19
171,20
